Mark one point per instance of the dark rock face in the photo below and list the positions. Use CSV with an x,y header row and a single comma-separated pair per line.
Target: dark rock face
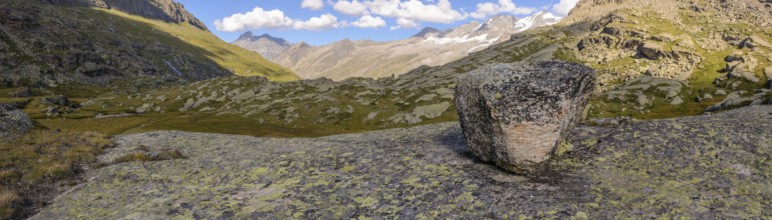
x,y
166,10
516,114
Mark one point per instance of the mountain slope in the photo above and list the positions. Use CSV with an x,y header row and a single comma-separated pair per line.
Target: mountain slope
x,y
165,10
725,68
266,45
430,47
47,45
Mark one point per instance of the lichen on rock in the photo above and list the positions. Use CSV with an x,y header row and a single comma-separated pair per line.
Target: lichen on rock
x,y
516,114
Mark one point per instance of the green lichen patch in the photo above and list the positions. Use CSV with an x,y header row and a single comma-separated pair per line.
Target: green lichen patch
x,y
712,166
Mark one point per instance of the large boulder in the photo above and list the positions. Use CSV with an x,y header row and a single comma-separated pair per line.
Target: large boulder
x,y
13,120
515,115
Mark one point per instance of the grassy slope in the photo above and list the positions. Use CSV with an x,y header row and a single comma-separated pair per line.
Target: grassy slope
x,y
702,79
238,60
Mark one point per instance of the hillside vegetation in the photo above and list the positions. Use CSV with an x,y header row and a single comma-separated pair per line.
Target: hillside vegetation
x,y
47,45
654,61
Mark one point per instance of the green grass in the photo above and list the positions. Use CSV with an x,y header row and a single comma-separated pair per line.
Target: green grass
x,y
240,61
148,156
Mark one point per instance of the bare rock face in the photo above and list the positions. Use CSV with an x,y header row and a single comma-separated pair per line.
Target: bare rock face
x,y
517,114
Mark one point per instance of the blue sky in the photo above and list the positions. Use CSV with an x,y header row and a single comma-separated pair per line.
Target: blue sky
x,y
320,22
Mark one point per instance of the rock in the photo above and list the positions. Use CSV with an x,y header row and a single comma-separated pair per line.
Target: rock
x,y
734,100
677,101
516,114
60,101
53,111
651,51
704,97
720,92
14,121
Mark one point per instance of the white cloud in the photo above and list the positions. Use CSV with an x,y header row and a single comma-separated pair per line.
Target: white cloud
x,y
326,21
312,4
368,21
416,10
403,23
257,18
354,7
503,6
564,6
273,19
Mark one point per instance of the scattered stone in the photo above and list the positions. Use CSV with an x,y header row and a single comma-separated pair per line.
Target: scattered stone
x,y
57,100
53,111
720,92
733,100
144,108
516,114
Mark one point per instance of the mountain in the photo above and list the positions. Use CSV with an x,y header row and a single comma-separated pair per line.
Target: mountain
x,y
427,32
49,43
165,10
653,61
267,46
430,47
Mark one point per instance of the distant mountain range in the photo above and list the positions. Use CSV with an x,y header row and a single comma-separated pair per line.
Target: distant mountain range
x,y
365,58
267,46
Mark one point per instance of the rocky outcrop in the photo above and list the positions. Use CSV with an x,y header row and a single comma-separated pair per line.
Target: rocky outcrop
x,y
166,10
13,120
739,99
266,45
655,169
516,114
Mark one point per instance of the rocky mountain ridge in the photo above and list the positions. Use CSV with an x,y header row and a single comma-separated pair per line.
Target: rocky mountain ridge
x,y
431,47
166,10
45,45
266,45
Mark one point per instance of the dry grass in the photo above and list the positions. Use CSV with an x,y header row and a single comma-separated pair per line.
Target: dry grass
x,y
34,165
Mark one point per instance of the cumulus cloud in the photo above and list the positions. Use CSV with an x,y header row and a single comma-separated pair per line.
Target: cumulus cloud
x,y
407,13
273,19
326,21
312,4
503,6
354,7
403,23
563,7
368,21
416,10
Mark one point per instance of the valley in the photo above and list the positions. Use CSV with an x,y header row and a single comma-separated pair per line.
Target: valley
x,y
108,102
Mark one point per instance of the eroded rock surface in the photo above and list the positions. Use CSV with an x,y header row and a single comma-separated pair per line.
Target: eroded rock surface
x,y
516,114
704,167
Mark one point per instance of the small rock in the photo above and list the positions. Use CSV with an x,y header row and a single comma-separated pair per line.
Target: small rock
x,y
516,114
720,92
704,97
53,111
677,101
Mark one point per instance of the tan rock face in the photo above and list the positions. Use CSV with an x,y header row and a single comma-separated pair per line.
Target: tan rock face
x,y
516,114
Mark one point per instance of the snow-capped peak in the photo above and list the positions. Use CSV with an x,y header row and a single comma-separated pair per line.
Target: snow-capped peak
x,y
542,18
